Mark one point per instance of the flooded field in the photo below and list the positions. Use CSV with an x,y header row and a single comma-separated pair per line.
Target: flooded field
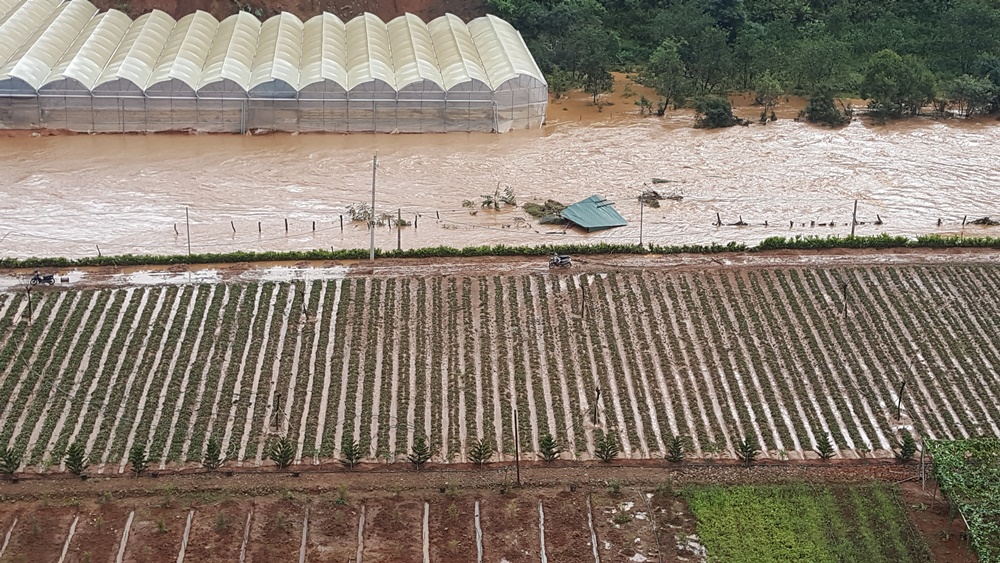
x,y
67,196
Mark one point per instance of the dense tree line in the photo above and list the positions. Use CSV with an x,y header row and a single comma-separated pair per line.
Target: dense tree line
x,y
900,55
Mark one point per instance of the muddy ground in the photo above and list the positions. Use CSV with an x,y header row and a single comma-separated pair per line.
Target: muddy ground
x,y
261,516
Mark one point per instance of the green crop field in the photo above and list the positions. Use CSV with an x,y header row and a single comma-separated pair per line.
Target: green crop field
x,y
780,523
714,356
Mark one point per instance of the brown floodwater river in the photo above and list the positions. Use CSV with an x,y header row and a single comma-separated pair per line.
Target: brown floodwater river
x,y
67,195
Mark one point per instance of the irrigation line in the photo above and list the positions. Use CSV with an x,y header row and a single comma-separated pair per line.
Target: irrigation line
x,y
184,539
424,533
6,539
124,542
246,536
69,538
361,535
541,533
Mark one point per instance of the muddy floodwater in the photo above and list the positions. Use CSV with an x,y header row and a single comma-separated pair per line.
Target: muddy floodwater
x,y
69,195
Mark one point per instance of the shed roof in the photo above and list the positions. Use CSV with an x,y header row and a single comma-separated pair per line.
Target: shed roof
x,y
594,214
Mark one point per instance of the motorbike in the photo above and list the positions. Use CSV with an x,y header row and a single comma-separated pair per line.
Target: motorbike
x,y
38,278
560,261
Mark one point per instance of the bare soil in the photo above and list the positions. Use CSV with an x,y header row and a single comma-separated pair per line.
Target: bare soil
x,y
394,510
218,530
98,532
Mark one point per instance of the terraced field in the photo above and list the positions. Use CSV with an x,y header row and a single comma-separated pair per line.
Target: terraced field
x,y
715,356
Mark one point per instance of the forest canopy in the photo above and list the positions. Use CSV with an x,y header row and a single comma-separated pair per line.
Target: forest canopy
x,y
900,55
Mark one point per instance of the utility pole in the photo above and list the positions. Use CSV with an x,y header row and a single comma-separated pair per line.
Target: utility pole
x,y
854,217
640,218
31,312
187,221
371,224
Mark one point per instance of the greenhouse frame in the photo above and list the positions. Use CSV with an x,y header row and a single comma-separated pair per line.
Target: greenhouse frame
x,y
66,65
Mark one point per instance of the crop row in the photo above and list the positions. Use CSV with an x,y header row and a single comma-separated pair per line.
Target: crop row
x,y
718,356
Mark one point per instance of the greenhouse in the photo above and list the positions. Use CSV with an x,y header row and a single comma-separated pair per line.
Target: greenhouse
x,y
66,65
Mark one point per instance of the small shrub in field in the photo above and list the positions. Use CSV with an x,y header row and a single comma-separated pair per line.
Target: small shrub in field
x,y
549,449
138,460
480,452
675,449
213,454
10,460
825,448
606,447
76,459
747,450
281,452
421,452
907,448
351,451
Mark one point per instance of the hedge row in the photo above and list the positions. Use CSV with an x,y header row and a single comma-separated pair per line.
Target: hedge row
x,y
772,243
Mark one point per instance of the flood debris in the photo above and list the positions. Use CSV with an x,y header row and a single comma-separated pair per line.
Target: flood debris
x,y
985,221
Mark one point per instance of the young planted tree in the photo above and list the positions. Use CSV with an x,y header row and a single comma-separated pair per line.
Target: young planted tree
x,y
421,452
282,452
907,448
766,93
605,447
480,452
825,448
137,459
351,451
747,450
76,459
213,454
675,449
549,449
10,461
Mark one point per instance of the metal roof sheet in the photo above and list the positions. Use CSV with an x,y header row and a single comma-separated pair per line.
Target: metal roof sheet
x,y
594,214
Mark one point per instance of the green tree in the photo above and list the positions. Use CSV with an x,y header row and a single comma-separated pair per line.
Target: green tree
x,y
76,459
605,446
821,109
907,447
665,73
421,452
895,85
766,93
560,82
213,454
824,448
481,452
137,459
549,448
675,449
712,112
281,451
350,450
970,94
747,450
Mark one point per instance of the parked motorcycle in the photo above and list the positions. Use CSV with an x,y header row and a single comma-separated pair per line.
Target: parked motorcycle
x,y
38,278
560,261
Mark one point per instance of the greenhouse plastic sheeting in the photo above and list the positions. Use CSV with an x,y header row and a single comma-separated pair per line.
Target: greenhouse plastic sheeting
x,y
65,65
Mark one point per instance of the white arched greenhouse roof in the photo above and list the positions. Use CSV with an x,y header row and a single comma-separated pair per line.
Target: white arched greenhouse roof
x,y
457,55
136,56
21,23
278,57
232,53
323,65
183,56
52,46
85,60
368,55
413,55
